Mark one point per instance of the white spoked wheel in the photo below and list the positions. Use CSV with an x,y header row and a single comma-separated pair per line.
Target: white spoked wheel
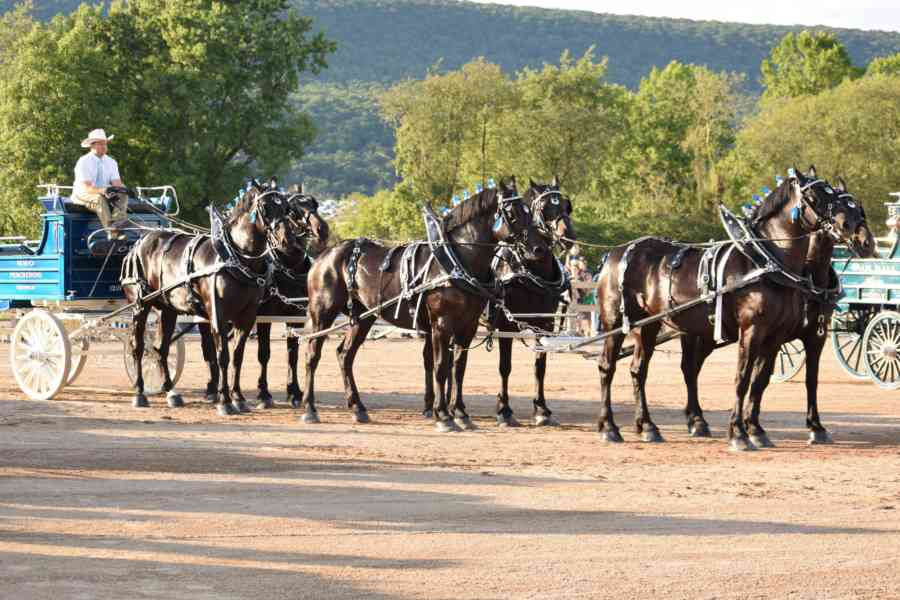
x,y
40,355
846,340
789,361
153,374
881,344
79,349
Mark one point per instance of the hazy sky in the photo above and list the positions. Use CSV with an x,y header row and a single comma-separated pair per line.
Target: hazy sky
x,y
854,14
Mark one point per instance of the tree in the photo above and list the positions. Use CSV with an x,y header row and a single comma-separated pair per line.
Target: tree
x,y
852,130
884,65
683,122
196,91
388,215
447,127
567,122
805,64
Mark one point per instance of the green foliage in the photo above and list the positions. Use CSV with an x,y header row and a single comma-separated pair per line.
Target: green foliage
x,y
388,215
885,65
805,63
196,92
447,126
852,130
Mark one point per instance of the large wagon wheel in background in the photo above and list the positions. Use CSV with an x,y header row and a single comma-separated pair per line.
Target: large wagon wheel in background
x,y
153,374
791,358
881,346
40,355
847,329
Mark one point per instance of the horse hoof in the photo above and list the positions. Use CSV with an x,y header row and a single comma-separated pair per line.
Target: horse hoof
x,y
241,407
225,409
174,400
265,403
611,436
761,440
819,437
464,423
447,426
361,416
545,421
652,435
310,417
507,421
212,398
699,430
741,444
140,401
428,413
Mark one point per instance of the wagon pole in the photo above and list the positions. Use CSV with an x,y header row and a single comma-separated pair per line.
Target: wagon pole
x,y
750,278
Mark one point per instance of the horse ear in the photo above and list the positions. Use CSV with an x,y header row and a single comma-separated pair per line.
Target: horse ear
x,y
531,183
812,172
842,185
273,183
555,182
512,182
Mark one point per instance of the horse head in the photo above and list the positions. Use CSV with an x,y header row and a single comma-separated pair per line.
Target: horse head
x,y
265,209
851,221
311,228
552,212
513,222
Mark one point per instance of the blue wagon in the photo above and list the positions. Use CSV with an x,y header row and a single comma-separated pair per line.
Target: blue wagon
x,y
55,288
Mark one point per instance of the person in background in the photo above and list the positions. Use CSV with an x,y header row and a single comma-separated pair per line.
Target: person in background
x,y
95,172
586,297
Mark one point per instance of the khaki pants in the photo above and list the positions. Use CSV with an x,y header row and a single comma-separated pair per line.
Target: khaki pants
x,y
100,205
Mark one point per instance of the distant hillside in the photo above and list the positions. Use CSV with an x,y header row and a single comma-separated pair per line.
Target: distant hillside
x,y
384,41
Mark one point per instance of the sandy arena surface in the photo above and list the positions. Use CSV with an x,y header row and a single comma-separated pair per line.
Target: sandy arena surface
x,y
100,500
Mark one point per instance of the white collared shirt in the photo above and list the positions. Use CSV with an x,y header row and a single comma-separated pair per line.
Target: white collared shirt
x,y
99,171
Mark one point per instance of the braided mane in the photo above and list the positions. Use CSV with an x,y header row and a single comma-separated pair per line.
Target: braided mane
x,y
477,205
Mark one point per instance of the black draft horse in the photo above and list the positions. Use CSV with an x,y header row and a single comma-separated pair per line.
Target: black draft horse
x,y
811,331
528,286
291,269
360,274
222,279
760,316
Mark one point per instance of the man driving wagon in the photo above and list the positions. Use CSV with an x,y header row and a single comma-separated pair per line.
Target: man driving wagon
x,y
98,185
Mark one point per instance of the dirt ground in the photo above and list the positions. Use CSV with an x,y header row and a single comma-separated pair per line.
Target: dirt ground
x,y
100,500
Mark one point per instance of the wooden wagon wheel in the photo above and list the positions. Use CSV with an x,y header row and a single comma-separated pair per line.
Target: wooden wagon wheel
x,y
881,346
40,355
79,349
791,358
153,374
846,340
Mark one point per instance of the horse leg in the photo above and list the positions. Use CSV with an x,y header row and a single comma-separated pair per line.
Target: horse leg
x,y
208,345
346,353
138,327
244,328
813,345
440,339
321,316
543,416
428,363
644,344
263,354
294,395
220,335
748,350
694,351
458,410
167,321
762,372
607,368
505,416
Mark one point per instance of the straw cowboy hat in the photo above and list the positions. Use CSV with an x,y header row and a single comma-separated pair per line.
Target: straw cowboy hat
x,y
97,135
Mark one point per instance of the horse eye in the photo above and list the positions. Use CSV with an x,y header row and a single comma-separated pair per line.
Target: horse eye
x,y
829,190
554,201
851,204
